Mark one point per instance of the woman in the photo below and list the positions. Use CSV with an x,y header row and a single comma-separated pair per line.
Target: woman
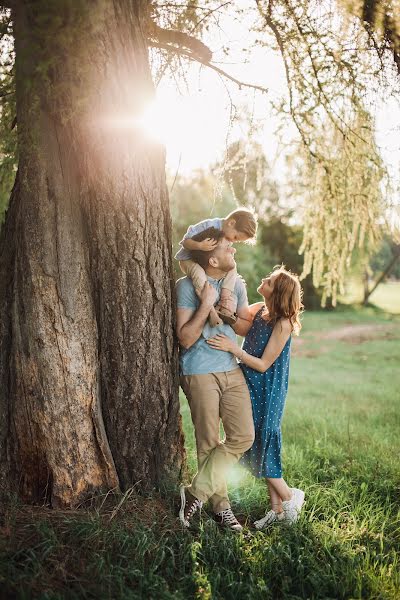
x,y
265,358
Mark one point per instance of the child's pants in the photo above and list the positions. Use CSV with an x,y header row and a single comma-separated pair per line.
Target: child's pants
x,y
198,276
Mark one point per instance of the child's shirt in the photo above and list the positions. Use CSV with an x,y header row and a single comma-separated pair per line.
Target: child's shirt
x,y
184,254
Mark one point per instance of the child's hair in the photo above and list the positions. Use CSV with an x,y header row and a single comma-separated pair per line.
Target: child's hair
x,y
286,300
245,221
202,256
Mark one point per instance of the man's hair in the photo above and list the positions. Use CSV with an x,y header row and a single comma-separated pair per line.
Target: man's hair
x,y
201,256
245,221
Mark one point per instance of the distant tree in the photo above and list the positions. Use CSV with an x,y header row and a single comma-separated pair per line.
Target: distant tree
x,y
380,260
384,263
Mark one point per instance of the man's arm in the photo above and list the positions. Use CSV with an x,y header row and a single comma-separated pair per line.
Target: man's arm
x,y
190,323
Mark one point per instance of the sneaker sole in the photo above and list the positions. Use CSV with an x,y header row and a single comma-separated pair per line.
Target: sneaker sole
x,y
182,509
302,497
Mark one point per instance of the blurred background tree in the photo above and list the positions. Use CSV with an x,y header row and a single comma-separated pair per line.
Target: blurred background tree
x,y
245,179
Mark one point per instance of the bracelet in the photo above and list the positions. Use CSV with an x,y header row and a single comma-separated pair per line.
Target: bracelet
x,y
241,356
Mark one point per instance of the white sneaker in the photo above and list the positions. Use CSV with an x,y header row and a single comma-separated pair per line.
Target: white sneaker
x,y
293,506
270,517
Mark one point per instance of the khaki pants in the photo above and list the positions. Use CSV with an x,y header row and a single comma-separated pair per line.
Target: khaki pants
x,y
198,276
211,397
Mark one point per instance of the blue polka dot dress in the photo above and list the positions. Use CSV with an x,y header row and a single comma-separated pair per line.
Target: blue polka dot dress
x,y
268,394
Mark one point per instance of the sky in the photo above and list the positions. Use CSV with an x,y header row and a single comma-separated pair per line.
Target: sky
x,y
193,122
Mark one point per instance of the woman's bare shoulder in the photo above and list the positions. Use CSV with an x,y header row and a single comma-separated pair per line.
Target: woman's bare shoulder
x,y
254,308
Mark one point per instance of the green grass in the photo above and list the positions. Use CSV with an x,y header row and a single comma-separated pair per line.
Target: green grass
x,y
341,444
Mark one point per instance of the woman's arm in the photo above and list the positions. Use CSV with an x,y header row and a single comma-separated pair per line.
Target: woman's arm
x,y
276,343
245,318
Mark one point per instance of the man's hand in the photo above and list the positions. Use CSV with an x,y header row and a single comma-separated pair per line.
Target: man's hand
x,y
206,245
208,295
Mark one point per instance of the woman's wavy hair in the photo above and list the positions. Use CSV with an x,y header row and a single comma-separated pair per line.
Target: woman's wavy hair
x,y
286,300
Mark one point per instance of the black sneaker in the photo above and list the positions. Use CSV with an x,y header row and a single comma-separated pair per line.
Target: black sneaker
x,y
189,506
227,519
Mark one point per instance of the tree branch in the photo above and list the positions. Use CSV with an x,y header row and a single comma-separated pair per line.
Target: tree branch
x,y
185,45
210,65
158,35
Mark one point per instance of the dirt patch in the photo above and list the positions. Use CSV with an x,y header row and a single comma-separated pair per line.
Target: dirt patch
x,y
351,334
356,334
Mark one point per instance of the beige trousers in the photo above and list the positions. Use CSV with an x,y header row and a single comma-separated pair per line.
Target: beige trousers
x,y
198,276
212,397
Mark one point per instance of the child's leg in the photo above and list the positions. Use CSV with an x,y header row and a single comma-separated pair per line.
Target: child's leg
x,y
198,276
227,304
195,272
230,280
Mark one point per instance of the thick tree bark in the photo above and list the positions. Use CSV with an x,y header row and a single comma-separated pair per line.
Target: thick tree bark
x,y
89,390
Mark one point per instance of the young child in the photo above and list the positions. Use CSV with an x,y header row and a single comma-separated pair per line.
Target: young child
x,y
239,226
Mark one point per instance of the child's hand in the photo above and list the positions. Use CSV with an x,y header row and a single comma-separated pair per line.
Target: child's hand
x,y
207,245
222,342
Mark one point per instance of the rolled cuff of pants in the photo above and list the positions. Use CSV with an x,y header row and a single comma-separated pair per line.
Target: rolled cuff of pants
x,y
230,280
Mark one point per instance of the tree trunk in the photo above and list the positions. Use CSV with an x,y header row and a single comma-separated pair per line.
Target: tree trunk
x,y
88,388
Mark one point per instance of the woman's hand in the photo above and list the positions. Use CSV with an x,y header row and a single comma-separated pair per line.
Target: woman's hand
x,y
222,342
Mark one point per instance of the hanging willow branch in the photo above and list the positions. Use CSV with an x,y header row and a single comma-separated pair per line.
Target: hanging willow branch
x,y
329,75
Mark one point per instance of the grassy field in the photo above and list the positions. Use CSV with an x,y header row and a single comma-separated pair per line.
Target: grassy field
x,y
341,444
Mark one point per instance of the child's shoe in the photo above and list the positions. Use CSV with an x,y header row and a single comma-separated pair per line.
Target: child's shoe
x,y
214,319
226,316
226,307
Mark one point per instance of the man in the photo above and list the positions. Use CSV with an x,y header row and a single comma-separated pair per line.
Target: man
x,y
213,384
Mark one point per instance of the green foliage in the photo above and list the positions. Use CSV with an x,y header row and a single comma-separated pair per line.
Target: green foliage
x,y
344,205
334,70
248,181
284,241
193,200
340,443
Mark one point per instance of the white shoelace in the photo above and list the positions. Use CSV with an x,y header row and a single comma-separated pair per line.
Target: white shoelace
x,y
228,517
193,507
